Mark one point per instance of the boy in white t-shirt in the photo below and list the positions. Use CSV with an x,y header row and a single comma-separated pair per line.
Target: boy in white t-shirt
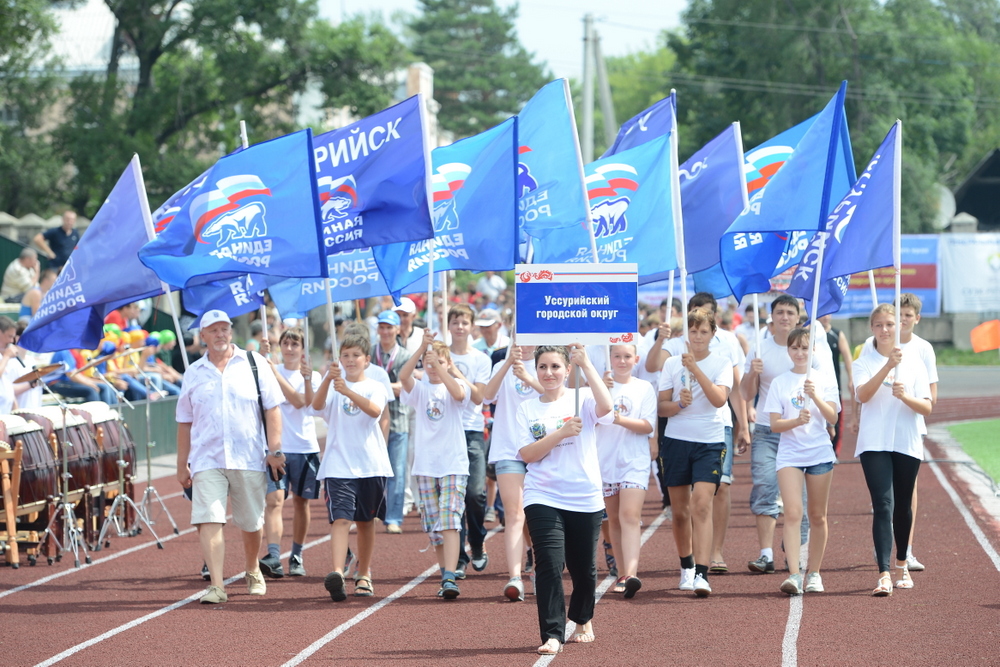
x,y
356,462
440,457
626,450
298,440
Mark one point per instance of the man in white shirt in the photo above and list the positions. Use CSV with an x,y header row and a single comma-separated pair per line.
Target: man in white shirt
x,y
410,337
224,447
20,276
491,340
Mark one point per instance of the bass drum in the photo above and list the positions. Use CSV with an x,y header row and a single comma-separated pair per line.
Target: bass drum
x,y
39,471
84,456
99,415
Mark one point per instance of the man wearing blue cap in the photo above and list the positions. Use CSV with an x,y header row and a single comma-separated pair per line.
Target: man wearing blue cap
x,y
390,356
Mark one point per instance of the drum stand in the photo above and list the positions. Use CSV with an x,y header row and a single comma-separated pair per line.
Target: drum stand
x,y
151,495
72,538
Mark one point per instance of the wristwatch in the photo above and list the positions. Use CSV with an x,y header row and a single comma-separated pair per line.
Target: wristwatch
x,y
276,454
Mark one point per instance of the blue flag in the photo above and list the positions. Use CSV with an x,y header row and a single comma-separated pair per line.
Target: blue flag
x,y
652,123
764,161
353,275
102,273
860,233
239,295
770,235
475,211
711,198
373,180
631,212
255,211
549,182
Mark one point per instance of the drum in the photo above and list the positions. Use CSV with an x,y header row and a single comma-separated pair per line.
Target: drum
x,y
39,471
84,456
100,415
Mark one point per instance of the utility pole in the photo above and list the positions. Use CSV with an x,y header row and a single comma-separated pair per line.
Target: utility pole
x,y
604,90
587,138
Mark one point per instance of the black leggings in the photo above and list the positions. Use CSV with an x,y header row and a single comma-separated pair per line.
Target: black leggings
x,y
891,477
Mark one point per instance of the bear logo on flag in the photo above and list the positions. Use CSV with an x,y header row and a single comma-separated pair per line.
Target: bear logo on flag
x,y
338,197
608,204
220,212
446,181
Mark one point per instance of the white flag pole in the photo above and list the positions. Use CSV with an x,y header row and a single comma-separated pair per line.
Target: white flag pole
x,y
871,286
263,309
738,129
675,206
670,296
897,158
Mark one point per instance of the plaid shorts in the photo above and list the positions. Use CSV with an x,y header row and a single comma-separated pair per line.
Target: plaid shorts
x,y
613,489
442,501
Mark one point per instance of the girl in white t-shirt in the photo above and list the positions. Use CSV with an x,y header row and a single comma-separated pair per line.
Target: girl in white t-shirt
x,y
800,409
693,387
563,503
894,392
440,456
626,450
511,384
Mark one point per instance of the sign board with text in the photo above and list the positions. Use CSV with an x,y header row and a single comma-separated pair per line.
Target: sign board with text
x,y
593,304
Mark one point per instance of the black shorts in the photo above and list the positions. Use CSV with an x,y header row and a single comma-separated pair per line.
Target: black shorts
x,y
685,463
302,470
355,499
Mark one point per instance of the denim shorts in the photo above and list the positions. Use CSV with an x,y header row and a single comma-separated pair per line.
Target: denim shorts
x,y
763,453
727,463
510,466
818,469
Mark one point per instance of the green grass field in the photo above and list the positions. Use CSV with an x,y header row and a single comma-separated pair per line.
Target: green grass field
x,y
979,440
952,357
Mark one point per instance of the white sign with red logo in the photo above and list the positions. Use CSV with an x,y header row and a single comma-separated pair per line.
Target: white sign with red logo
x,y
593,304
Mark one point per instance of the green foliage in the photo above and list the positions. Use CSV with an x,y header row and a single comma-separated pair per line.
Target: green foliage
x,y
482,74
950,356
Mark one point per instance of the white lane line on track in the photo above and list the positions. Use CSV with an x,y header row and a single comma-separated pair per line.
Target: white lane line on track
x,y
159,612
84,566
790,642
357,618
606,584
977,532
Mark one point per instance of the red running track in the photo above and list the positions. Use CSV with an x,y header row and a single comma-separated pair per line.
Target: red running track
x,y
952,616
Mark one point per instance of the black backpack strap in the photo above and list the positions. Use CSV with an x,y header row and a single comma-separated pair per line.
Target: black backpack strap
x,y
260,399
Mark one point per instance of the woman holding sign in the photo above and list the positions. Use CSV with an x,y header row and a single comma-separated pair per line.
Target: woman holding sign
x,y
563,498
693,387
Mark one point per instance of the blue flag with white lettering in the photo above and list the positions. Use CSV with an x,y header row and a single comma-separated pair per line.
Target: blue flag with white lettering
x,y
353,275
548,174
103,272
859,234
255,211
239,295
631,214
652,123
770,235
373,180
475,211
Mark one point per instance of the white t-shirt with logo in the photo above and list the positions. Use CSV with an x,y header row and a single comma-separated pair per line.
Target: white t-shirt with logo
x,y
355,447
298,429
924,351
439,447
700,421
809,444
624,454
512,393
886,424
569,476
476,367
776,362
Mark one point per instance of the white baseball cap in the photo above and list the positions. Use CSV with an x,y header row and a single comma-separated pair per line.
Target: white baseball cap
x,y
212,317
406,305
487,317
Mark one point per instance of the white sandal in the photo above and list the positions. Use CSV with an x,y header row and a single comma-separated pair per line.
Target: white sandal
x,y
884,587
905,580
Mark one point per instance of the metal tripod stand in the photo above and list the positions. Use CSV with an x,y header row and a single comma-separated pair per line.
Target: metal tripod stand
x,y
151,495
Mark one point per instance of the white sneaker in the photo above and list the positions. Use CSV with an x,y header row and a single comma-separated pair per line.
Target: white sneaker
x,y
687,579
914,564
814,583
255,583
701,587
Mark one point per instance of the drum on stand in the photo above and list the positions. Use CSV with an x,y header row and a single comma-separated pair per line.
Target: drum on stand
x,y
39,470
105,420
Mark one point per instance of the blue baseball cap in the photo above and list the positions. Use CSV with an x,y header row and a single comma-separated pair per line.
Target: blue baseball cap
x,y
388,317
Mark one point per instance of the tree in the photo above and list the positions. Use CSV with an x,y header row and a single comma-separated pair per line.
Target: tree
x,y
204,65
482,72
29,168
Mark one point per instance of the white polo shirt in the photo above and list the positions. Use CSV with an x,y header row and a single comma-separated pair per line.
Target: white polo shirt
x,y
222,409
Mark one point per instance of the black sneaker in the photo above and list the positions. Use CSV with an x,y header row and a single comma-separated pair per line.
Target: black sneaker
x,y
271,566
762,565
480,559
334,584
449,589
204,572
295,567
460,571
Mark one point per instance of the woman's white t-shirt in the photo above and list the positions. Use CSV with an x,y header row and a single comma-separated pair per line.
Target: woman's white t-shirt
x,y
776,362
886,424
809,444
438,438
355,447
298,429
512,393
569,476
700,421
624,454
